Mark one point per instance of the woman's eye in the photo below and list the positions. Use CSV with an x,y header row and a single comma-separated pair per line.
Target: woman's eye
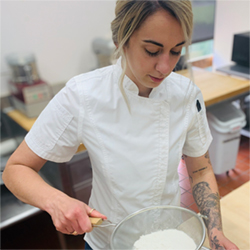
x,y
175,53
152,53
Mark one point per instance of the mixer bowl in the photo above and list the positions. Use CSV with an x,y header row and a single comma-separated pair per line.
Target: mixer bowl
x,y
153,219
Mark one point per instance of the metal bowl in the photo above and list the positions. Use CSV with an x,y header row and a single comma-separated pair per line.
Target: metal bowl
x,y
153,219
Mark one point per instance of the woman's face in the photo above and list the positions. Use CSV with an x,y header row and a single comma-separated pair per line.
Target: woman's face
x,y
153,51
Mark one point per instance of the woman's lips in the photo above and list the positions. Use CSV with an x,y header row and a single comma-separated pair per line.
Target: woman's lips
x,y
155,79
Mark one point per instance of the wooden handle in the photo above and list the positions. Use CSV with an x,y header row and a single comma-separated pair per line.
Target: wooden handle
x,y
95,221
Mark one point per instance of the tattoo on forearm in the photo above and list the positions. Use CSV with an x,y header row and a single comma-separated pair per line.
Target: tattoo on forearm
x,y
215,244
209,205
208,158
199,170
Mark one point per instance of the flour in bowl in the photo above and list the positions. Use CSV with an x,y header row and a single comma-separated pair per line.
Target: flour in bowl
x,y
170,239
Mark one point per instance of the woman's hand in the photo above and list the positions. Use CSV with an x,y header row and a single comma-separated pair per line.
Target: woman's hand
x,y
219,242
71,216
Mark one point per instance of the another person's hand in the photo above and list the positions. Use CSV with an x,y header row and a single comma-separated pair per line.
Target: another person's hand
x,y
71,216
219,242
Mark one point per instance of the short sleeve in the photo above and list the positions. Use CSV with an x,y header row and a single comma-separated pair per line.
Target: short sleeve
x,y
198,137
54,136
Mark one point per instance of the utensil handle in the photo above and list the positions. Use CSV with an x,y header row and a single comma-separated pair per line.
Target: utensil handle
x,y
95,221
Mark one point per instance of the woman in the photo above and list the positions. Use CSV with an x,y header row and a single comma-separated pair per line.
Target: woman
x,y
136,119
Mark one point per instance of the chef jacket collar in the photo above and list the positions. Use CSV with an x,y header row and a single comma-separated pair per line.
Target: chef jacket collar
x,y
129,85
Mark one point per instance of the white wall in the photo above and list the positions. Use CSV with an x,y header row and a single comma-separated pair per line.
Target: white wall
x,y
59,33
232,17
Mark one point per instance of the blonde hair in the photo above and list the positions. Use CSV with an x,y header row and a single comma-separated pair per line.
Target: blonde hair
x,y
130,14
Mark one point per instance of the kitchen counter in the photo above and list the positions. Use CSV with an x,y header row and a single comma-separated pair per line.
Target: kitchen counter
x,y
216,87
235,209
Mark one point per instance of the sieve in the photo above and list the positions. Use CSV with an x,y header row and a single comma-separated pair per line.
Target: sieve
x,y
153,219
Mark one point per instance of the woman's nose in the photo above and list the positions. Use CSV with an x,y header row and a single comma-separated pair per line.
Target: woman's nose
x,y
163,64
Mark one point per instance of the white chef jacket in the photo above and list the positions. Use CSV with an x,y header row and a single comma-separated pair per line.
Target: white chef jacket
x,y
134,155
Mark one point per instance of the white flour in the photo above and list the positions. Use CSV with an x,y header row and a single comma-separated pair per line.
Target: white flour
x,y
167,239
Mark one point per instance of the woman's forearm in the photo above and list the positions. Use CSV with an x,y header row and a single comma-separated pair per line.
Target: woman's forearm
x,y
28,186
22,179
208,202
206,195
207,198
